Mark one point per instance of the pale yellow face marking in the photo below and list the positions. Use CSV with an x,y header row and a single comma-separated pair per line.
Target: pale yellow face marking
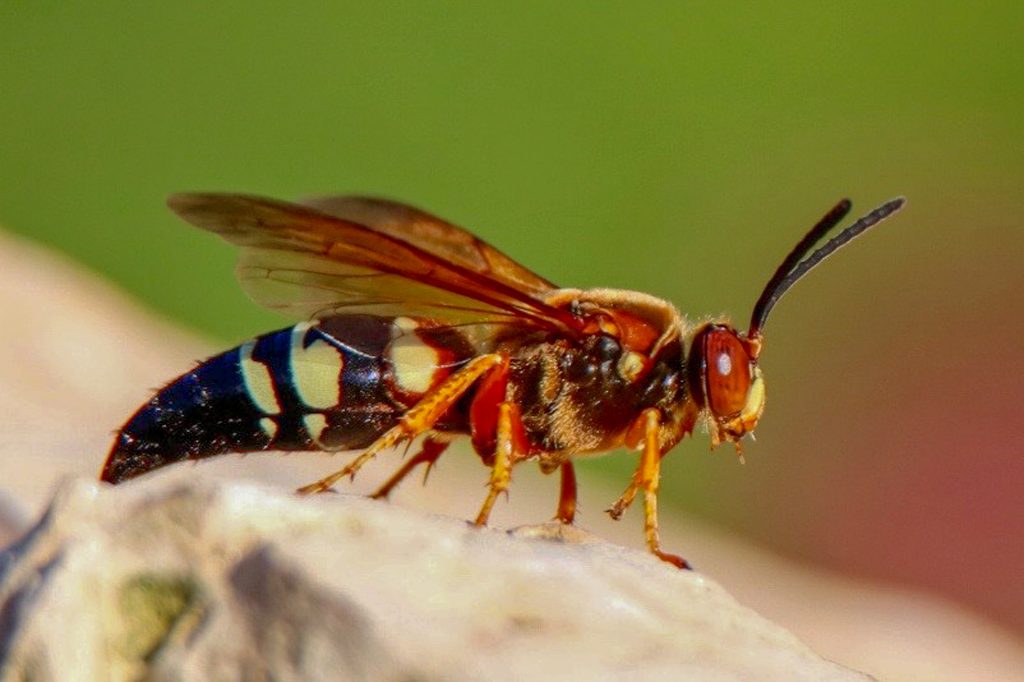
x,y
269,427
258,382
745,422
755,400
316,370
315,424
413,362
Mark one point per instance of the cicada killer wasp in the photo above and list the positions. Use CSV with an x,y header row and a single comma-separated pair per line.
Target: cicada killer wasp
x,y
416,329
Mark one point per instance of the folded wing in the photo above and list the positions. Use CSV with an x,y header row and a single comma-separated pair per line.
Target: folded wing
x,y
353,254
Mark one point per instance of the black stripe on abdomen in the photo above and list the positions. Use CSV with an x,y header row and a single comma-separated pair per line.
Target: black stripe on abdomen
x,y
335,384
329,384
202,413
293,389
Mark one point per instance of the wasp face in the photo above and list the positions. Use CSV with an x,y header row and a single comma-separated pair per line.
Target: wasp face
x,y
726,381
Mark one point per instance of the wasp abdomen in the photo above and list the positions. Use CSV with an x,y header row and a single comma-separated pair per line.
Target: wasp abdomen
x,y
330,386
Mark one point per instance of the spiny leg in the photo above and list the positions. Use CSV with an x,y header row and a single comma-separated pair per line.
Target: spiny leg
x,y
636,437
629,494
504,459
428,454
420,418
622,504
648,475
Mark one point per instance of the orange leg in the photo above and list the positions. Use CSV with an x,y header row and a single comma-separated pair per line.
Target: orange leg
x,y
567,494
650,474
505,457
419,419
636,437
647,478
622,504
431,450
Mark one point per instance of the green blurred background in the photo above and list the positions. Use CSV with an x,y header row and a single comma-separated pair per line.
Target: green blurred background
x,y
678,149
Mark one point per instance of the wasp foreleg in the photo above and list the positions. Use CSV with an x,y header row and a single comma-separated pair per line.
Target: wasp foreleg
x,y
647,478
428,454
622,504
636,437
419,419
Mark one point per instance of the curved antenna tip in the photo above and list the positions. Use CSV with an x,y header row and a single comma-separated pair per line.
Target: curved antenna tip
x,y
795,265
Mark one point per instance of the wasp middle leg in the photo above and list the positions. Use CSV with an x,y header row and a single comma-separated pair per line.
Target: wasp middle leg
x,y
507,453
566,512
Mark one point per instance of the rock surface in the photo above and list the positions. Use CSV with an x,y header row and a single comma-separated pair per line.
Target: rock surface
x,y
238,581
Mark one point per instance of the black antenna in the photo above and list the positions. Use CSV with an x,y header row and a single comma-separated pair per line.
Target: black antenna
x,y
793,268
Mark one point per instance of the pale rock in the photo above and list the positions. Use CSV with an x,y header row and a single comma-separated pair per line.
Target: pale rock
x,y
209,581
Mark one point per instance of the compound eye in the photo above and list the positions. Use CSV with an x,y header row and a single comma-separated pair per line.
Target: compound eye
x,y
726,373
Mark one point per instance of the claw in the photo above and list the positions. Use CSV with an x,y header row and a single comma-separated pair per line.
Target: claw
x,y
674,559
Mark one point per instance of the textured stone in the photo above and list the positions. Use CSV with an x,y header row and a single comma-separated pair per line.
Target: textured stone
x,y
238,581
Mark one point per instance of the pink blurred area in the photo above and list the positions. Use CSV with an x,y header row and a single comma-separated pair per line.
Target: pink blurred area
x,y
890,447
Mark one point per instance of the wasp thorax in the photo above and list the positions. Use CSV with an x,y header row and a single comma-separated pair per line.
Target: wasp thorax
x,y
726,381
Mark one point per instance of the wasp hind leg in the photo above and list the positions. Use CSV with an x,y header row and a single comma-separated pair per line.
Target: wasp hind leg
x,y
419,419
428,454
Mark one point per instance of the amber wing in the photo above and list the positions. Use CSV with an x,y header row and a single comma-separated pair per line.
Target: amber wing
x,y
369,255
434,235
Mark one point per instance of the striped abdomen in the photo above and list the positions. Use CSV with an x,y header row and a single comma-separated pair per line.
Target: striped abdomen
x,y
336,384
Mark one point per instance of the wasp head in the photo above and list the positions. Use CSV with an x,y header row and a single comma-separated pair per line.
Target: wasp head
x,y
723,371
726,381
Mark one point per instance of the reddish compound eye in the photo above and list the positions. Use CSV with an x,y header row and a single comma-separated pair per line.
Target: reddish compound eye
x,y
726,372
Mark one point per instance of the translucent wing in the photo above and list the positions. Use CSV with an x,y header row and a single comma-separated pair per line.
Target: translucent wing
x,y
307,263
434,235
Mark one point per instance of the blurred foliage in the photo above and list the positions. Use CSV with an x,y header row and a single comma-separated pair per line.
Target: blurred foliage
x,y
674,148
659,147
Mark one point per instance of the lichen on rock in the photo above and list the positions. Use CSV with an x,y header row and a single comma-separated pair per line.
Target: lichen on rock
x,y
151,607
